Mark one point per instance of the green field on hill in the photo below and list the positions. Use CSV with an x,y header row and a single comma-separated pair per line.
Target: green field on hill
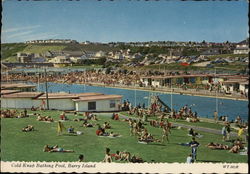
x,y
28,146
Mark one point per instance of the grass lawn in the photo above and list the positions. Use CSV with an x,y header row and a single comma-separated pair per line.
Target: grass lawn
x,y
28,146
31,48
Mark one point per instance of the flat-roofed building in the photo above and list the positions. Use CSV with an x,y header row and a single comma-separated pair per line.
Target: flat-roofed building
x,y
20,100
100,103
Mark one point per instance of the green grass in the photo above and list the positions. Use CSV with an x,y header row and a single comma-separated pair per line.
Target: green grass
x,y
11,49
228,55
20,146
32,48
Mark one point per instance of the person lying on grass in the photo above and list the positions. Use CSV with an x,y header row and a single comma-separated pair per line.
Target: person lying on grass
x,y
235,149
147,137
101,131
113,134
28,128
78,119
120,156
44,118
217,146
55,149
71,130
136,159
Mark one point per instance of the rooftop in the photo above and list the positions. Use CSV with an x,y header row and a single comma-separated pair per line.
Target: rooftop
x,y
16,85
23,95
63,95
99,97
4,92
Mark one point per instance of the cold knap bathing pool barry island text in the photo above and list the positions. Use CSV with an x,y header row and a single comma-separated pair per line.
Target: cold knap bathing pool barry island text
x,y
77,166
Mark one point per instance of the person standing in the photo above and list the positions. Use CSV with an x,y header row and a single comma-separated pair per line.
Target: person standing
x,y
60,128
228,129
25,112
194,145
240,132
224,133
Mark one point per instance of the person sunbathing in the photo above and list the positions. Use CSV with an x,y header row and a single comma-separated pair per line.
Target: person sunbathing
x,y
113,134
192,132
46,148
59,149
28,128
235,149
136,159
87,125
212,145
71,130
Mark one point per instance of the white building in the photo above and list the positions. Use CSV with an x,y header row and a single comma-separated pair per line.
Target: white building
x,y
100,54
20,100
60,59
242,47
98,103
61,101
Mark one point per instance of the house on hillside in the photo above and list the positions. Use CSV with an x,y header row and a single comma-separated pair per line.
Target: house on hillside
x,y
25,57
100,54
210,52
242,47
60,59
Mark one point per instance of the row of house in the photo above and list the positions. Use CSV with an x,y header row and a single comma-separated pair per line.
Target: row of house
x,y
85,102
52,41
228,83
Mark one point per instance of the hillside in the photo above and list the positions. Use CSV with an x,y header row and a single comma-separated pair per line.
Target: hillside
x,y
9,51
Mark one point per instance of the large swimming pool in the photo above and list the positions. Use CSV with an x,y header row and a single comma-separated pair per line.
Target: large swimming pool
x,y
205,106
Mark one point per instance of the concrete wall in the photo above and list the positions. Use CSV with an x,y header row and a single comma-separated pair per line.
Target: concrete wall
x,y
101,105
19,103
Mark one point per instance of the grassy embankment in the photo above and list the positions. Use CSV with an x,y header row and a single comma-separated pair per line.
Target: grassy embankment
x,y
20,146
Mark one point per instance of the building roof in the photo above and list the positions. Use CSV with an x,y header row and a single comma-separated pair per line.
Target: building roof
x,y
4,92
32,95
99,97
88,94
16,85
63,95
58,96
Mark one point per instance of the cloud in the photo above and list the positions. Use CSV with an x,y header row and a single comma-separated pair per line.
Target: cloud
x,y
20,28
20,34
40,36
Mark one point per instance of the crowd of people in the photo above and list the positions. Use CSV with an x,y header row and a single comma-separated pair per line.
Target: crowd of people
x,y
13,113
138,127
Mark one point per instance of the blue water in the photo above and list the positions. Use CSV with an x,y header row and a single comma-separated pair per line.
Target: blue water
x,y
204,106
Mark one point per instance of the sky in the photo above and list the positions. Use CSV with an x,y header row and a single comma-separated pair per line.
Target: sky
x,y
125,20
